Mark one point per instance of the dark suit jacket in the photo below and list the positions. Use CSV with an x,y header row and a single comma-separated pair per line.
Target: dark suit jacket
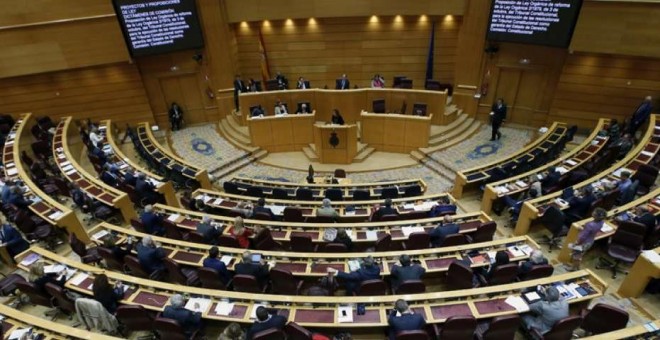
x,y
441,209
551,179
342,84
109,178
260,272
100,154
19,201
258,209
439,233
499,113
382,211
209,232
130,179
110,301
144,189
405,322
239,86
275,321
400,274
78,197
580,205
49,278
15,242
646,219
151,258
188,320
220,267
153,223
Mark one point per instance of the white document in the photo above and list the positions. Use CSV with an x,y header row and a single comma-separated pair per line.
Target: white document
x,y
56,215
70,172
409,230
424,206
173,217
224,308
100,234
526,249
521,184
11,172
276,209
618,172
561,170
67,167
78,279
349,213
218,201
353,265
532,296
518,303
349,232
372,235
226,259
571,162
648,153
53,268
515,251
17,334
409,206
491,256
606,228
206,199
204,304
344,314
651,255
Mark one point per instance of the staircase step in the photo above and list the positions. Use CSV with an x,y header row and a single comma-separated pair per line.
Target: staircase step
x,y
363,154
417,155
236,126
234,138
235,165
310,153
465,134
456,131
450,110
442,129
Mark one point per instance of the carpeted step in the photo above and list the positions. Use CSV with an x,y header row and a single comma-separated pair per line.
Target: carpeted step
x,y
233,166
310,153
456,131
456,138
363,154
438,130
234,138
233,123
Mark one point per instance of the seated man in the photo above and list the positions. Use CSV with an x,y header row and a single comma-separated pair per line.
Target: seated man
x,y
644,216
265,321
580,205
209,230
150,255
261,208
280,108
625,182
110,175
535,258
130,178
13,240
213,262
258,111
304,109
407,271
188,320
551,179
247,267
443,207
97,150
546,313
369,270
153,222
446,228
386,209
145,190
16,198
401,318
516,205
327,210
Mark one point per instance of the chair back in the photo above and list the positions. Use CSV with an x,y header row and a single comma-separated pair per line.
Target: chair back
x,y
210,278
505,273
172,230
262,216
246,284
254,191
174,272
417,240
320,219
378,106
295,331
412,191
391,192
304,194
502,327
553,220
459,327
229,241
484,232
361,195
134,317
411,287
603,318
134,267
168,329
293,214
455,240
231,188
110,260
563,329
264,240
36,296
283,282
372,287
459,276
538,271
280,194
196,237
629,234
77,246
340,173
335,248
138,225
64,303
383,243
412,335
269,334
302,243
334,194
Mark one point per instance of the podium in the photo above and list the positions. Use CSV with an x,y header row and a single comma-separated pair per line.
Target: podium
x,y
336,144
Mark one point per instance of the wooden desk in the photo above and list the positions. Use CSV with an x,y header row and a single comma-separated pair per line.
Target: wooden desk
x,y
163,157
639,276
470,178
46,207
319,311
289,132
15,319
64,149
572,160
630,332
395,132
349,102
643,153
335,144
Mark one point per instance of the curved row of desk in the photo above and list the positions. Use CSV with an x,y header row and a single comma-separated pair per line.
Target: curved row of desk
x,y
643,153
572,160
469,179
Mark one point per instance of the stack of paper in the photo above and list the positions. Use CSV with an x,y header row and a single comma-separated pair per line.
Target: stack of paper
x,y
650,255
226,259
491,256
353,265
349,232
606,228
501,190
344,314
571,162
218,201
174,217
526,249
521,184
276,209
532,297
53,268
561,170
515,251
79,279
204,304
30,259
372,235
224,308
518,303
425,206
409,230
100,234
56,215
409,206
19,333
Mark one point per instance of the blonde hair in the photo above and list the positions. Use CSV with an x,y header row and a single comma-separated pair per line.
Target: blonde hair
x,y
36,271
232,332
238,224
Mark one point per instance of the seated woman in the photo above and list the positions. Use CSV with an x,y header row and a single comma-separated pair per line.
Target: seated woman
x,y
241,233
343,238
109,296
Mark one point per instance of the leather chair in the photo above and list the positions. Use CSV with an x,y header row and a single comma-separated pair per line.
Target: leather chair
x,y
624,246
135,269
228,241
262,216
646,175
254,192
561,330
138,225
361,195
134,318
87,255
269,334
335,248
196,237
459,276
378,106
502,274
412,335
388,218
247,284
484,232
280,194
283,282
418,240
230,188
303,244
64,304
412,191
304,194
383,243
293,214
455,240
553,220
501,327
459,327
371,287
169,329
8,283
172,231
340,173
334,194
180,275
110,260
36,296
210,278
411,287
538,271
264,241
296,332
389,192
35,229
603,318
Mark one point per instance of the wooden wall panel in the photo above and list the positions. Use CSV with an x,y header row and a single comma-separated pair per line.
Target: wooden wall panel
x,y
323,50
100,92
594,86
256,10
36,11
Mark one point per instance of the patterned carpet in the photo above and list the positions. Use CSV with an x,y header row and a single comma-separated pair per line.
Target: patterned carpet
x,y
204,146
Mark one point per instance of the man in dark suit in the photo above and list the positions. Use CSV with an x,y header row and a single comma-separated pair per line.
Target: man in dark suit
x,y
153,223
302,84
150,255
239,87
16,198
99,153
13,240
641,115
209,231
188,320
265,321
580,205
343,83
145,190
407,271
401,318
247,267
551,179
497,116
386,209
645,217
369,270
443,207
110,175
78,196
261,208
213,262
130,178
282,82
446,228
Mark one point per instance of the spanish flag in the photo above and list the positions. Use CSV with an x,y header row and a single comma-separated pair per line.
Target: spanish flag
x,y
265,69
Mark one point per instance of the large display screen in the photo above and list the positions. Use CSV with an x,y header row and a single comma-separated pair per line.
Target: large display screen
x,y
159,26
540,22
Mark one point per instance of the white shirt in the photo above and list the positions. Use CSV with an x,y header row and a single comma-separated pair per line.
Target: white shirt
x,y
95,138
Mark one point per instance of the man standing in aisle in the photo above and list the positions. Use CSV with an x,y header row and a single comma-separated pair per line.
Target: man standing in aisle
x,y
497,116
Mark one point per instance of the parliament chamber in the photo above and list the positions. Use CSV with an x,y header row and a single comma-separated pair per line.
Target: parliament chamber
x,y
224,169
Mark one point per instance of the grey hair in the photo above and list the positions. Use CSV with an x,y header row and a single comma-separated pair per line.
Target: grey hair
x,y
147,241
552,294
326,203
536,256
206,218
177,300
149,208
142,175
